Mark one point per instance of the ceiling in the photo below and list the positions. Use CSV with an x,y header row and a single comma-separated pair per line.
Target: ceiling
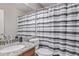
x,y
28,7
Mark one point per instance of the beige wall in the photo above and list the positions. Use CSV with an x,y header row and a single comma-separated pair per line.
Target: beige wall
x,y
20,13
10,18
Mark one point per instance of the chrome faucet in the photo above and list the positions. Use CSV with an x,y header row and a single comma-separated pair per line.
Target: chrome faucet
x,y
5,37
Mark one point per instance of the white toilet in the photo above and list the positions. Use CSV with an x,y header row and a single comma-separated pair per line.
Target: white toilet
x,y
40,51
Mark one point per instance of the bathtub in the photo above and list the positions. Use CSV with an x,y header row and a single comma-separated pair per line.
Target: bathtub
x,y
11,48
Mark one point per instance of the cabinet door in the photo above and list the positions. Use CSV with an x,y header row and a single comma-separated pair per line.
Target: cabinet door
x,y
29,53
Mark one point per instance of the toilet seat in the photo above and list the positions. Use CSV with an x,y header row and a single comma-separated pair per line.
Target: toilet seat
x,y
44,52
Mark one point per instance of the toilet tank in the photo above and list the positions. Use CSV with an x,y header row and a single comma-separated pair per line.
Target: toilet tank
x,y
35,41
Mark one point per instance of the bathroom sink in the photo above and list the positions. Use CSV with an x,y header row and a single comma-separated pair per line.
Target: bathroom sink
x,y
11,48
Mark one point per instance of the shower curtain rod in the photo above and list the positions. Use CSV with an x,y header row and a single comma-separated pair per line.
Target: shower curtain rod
x,y
45,8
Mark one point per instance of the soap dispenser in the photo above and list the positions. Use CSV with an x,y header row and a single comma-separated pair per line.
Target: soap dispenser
x,y
16,38
20,39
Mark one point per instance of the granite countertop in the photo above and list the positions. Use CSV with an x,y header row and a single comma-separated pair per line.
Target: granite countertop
x,y
27,47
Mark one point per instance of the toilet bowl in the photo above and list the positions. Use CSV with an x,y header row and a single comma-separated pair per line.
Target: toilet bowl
x,y
41,51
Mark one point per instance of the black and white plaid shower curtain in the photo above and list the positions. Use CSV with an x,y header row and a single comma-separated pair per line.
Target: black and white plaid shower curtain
x,y
57,28
60,33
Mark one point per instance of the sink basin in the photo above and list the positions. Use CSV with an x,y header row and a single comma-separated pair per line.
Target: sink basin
x,y
11,48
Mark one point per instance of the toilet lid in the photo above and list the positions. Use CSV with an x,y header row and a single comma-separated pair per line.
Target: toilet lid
x,y
44,52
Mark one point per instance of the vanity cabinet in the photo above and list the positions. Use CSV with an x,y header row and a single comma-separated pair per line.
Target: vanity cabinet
x,y
30,52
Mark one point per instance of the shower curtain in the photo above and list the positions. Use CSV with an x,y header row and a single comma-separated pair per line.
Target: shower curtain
x,y
57,28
